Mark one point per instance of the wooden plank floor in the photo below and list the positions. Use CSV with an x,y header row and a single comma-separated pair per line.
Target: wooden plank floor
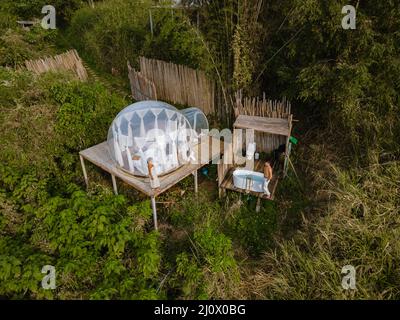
x,y
227,183
100,156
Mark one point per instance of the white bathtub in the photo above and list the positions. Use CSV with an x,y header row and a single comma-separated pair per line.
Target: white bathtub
x,y
248,180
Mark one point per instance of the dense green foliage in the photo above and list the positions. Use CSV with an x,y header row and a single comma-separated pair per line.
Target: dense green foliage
x,y
47,218
95,242
351,77
57,116
117,31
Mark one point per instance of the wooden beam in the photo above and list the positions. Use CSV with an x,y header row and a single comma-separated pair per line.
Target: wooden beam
x,y
278,126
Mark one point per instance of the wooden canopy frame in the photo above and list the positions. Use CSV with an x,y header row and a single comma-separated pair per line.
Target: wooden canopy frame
x,y
273,126
277,126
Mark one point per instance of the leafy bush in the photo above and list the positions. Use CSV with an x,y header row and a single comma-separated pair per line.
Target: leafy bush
x,y
210,269
174,40
56,114
96,243
116,31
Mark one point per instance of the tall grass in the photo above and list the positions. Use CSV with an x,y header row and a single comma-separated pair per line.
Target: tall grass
x,y
359,227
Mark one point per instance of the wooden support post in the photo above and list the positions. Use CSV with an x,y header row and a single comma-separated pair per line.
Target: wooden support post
x,y
153,206
258,206
114,182
84,171
196,188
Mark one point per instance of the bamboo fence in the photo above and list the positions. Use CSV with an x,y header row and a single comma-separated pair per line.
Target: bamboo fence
x,y
180,84
68,61
141,87
263,107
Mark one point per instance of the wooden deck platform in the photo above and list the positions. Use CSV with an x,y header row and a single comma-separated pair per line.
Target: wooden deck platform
x,y
100,156
227,183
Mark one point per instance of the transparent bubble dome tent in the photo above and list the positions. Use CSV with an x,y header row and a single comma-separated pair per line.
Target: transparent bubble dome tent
x,y
156,131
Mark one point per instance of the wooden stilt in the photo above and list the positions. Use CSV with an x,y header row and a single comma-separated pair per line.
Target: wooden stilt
x,y
258,206
84,170
196,188
153,206
114,182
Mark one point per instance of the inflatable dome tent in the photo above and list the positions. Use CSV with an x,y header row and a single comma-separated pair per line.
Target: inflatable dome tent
x,y
154,130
